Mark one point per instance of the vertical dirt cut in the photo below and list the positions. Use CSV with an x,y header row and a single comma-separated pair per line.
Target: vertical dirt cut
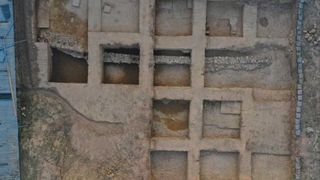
x,y
221,119
172,68
170,118
173,18
168,165
121,66
68,69
274,20
224,19
219,165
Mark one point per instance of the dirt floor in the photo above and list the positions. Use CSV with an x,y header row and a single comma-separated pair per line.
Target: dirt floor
x,y
57,143
190,90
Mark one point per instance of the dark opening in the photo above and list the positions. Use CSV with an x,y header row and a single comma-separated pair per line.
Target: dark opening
x,y
264,22
5,96
172,53
68,69
5,13
131,51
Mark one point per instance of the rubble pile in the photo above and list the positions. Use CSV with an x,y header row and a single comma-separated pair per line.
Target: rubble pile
x,y
244,63
312,35
172,60
134,59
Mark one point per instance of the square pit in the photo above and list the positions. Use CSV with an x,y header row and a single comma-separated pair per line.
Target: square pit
x,y
170,118
68,69
173,18
247,69
221,119
172,68
121,65
120,15
224,19
168,165
219,165
275,20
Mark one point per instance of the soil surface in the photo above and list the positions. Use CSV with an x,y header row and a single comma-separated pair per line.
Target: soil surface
x,y
58,143
310,144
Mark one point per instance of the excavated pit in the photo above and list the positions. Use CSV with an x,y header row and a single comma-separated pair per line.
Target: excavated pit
x,y
121,66
274,20
219,165
120,16
221,119
170,118
224,18
172,68
68,69
173,18
168,165
171,89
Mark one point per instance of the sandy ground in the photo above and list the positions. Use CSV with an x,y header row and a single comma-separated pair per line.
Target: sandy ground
x,y
57,142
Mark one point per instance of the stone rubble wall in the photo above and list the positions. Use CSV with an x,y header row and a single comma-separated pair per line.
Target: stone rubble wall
x,y
299,90
134,59
244,63
60,41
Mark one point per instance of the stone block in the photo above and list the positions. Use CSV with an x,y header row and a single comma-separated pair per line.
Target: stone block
x,y
298,109
299,103
107,9
298,43
299,86
298,51
76,3
299,23
298,38
298,115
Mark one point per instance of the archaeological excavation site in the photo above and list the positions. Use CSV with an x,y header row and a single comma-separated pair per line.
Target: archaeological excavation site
x,y
160,90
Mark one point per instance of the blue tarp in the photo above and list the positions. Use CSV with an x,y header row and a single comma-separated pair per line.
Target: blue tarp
x,y
9,144
5,13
